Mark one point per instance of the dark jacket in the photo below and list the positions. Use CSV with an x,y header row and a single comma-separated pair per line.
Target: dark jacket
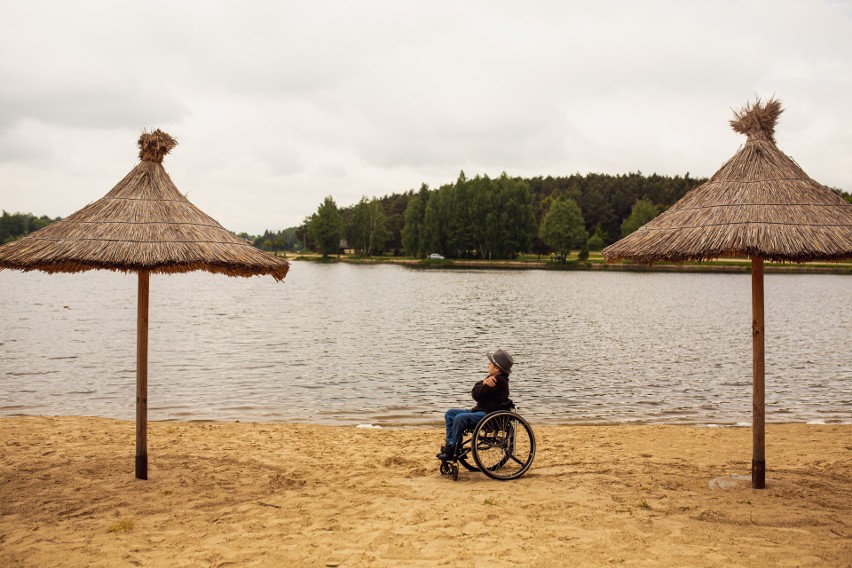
x,y
493,398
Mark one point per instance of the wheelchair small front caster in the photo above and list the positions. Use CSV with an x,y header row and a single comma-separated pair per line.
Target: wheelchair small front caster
x,y
446,468
455,468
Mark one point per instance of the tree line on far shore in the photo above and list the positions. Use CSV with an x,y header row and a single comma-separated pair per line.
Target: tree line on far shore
x,y
489,218
16,225
470,218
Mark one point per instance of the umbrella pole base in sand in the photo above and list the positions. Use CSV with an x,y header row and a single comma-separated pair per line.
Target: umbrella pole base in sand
x,y
141,467
758,474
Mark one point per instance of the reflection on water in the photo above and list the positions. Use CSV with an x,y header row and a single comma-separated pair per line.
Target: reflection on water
x,y
341,343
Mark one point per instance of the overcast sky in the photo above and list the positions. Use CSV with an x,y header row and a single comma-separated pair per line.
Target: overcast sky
x,y
276,104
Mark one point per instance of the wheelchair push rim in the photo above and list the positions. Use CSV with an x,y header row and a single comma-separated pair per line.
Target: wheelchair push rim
x,y
503,445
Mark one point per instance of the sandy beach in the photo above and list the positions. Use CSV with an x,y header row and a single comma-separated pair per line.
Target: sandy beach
x,y
257,494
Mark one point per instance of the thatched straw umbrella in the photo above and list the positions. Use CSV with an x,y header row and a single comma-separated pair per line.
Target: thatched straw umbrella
x,y
143,225
760,204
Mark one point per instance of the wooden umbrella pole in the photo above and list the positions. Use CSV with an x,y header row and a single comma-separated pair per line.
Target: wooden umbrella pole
x,y
142,377
758,460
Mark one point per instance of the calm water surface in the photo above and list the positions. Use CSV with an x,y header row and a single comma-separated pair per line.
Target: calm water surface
x,y
347,344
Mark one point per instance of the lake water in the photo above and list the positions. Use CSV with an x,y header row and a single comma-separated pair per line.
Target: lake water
x,y
389,345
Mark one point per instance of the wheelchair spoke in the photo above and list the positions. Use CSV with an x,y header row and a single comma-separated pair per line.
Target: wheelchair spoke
x,y
514,459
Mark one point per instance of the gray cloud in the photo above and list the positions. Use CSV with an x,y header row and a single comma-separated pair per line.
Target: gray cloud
x,y
91,107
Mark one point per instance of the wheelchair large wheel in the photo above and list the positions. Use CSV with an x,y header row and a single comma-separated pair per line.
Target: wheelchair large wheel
x,y
503,445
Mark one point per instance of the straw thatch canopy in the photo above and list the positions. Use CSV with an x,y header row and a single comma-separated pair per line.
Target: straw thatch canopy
x,y
144,223
759,204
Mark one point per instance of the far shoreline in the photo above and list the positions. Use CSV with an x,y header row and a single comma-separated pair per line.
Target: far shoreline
x,y
595,263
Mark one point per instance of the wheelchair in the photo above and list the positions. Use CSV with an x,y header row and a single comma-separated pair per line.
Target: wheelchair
x,y
501,445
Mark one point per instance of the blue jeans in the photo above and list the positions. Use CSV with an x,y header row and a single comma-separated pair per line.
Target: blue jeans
x,y
458,420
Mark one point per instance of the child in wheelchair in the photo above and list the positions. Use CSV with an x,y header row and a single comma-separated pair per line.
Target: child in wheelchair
x,y
490,394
